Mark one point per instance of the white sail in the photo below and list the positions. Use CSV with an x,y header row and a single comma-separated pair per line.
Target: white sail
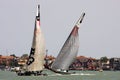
x,y
69,50
37,53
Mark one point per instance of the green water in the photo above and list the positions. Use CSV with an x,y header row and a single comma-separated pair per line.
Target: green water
x,y
80,75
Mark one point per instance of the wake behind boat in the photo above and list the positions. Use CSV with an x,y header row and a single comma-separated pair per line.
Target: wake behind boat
x,y
35,63
68,52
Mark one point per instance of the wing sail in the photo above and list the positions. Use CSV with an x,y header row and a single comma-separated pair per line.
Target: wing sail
x,y
37,53
69,50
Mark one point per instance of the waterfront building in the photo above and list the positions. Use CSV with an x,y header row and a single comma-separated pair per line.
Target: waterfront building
x,y
84,63
48,61
115,63
6,60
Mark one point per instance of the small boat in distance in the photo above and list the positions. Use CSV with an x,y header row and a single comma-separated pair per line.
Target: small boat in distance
x,y
35,63
69,51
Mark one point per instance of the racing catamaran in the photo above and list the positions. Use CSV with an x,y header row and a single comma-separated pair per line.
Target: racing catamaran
x,y
69,51
35,63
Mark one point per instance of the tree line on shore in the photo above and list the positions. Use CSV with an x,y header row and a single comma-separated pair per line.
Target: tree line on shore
x,y
80,63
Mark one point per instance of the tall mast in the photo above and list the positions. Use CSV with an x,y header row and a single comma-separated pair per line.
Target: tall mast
x,y
80,20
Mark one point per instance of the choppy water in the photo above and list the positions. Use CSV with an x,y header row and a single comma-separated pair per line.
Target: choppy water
x,y
80,75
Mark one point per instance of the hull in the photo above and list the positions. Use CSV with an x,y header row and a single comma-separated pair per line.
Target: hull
x,y
62,72
25,73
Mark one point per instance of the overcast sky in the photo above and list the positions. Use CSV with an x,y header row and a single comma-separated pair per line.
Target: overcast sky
x,y
99,33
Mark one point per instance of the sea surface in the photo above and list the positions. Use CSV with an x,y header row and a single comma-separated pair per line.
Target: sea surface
x,y
80,75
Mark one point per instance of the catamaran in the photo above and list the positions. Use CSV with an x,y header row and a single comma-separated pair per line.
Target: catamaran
x,y
35,63
69,50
